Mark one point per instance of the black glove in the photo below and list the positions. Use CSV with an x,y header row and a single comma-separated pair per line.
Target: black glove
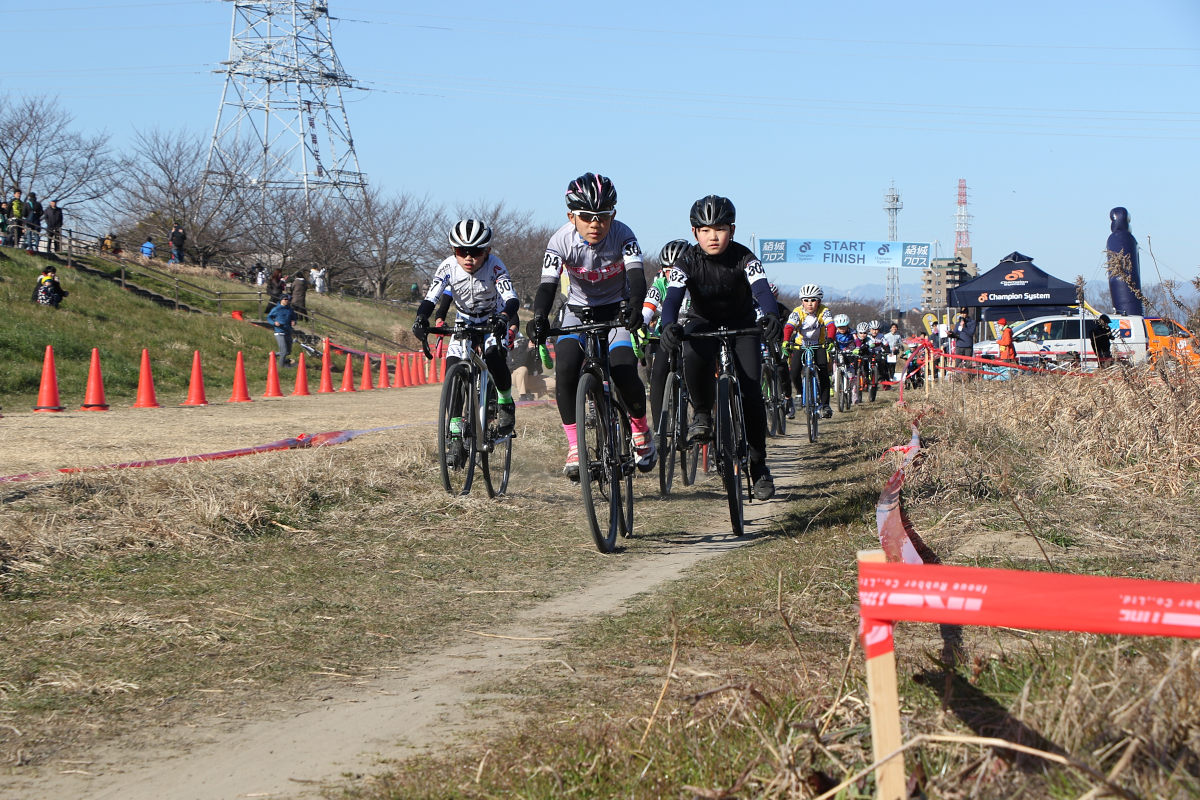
x,y
672,336
501,328
772,328
420,328
633,317
538,329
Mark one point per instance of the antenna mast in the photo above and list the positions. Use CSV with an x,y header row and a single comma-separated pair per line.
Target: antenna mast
x,y
283,94
892,205
962,222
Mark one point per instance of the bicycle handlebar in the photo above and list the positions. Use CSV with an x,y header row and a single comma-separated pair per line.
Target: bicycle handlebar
x,y
721,333
459,327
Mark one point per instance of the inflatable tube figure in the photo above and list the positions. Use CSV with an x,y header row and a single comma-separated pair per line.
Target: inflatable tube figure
x,y
1124,274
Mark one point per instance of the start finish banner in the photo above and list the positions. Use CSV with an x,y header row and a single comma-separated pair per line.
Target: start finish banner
x,y
910,255
890,592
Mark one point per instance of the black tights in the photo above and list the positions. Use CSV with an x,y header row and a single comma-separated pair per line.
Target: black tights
x,y
568,359
821,358
699,369
497,364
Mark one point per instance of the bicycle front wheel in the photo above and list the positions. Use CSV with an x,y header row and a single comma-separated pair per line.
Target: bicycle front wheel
x,y
770,401
728,463
812,412
599,469
456,434
667,435
626,469
497,452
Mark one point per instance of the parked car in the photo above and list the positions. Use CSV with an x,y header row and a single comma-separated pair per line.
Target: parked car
x,y
1060,338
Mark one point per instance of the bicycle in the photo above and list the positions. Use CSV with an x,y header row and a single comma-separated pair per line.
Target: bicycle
x,y
810,389
774,397
672,428
729,425
845,381
869,376
468,431
605,438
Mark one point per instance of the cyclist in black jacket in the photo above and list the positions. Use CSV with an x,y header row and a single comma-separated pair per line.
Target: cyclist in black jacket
x,y
724,280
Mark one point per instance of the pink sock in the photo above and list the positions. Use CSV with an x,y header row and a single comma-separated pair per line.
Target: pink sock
x,y
639,424
572,435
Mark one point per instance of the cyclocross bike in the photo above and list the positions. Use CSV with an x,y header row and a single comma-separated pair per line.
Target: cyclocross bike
x,y
774,397
810,388
672,427
846,379
606,458
467,426
732,453
868,374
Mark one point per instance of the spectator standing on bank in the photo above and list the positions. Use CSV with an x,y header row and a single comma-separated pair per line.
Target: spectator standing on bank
x,y
300,295
283,317
33,223
1102,337
321,280
177,239
148,248
260,274
964,335
54,223
15,210
274,288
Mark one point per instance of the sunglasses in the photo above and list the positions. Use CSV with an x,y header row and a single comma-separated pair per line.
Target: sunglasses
x,y
598,216
463,252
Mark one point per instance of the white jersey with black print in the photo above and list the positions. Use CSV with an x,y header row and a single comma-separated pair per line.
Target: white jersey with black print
x,y
477,295
596,273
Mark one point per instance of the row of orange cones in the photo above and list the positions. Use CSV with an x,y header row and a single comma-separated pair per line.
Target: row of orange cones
x,y
410,371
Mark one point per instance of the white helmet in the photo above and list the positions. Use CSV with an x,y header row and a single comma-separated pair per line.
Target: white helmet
x,y
873,324
841,321
811,290
861,327
470,233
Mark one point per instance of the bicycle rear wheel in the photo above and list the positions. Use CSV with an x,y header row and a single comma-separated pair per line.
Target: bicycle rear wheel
x,y
728,464
770,401
456,448
497,452
599,470
667,435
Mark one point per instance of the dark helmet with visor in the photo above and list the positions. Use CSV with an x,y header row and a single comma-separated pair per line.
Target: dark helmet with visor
x,y
711,211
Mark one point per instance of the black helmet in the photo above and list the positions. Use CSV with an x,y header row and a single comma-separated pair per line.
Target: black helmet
x,y
590,192
708,212
671,251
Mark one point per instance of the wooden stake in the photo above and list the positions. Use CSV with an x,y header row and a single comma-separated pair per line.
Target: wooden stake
x,y
885,714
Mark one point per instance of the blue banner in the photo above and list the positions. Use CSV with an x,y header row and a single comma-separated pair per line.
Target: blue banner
x,y
911,255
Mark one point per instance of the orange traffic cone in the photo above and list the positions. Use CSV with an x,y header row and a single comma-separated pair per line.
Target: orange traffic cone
x,y
301,378
366,385
145,392
348,375
383,371
441,369
196,396
273,389
48,392
326,377
93,398
240,393
400,379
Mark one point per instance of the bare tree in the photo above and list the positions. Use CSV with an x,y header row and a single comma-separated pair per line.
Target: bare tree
x,y
397,241
40,151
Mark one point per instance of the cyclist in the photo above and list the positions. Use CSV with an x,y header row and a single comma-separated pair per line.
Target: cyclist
x,y
875,344
861,364
892,339
846,344
651,308
724,280
780,360
811,324
603,263
478,283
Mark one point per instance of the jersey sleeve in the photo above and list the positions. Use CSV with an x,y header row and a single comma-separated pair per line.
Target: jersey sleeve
x,y
503,281
439,283
552,266
631,251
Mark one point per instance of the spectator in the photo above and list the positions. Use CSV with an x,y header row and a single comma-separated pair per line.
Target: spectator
x,y
964,335
321,280
260,274
300,295
148,249
1008,351
16,217
283,317
33,223
54,223
177,239
274,288
1102,337
49,291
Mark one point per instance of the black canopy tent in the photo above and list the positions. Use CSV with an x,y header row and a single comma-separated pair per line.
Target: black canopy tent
x,y
1014,289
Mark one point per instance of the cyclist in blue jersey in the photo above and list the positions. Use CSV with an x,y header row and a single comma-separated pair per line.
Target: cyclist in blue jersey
x,y
724,280
603,264
481,289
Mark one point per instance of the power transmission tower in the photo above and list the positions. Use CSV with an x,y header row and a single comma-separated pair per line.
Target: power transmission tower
x,y
283,99
892,205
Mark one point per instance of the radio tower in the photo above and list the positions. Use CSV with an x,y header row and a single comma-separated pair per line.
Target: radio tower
x,y
283,95
962,222
892,205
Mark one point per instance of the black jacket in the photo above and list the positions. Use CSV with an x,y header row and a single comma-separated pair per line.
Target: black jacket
x,y
53,217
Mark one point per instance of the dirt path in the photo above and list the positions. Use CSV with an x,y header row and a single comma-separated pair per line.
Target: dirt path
x,y
339,729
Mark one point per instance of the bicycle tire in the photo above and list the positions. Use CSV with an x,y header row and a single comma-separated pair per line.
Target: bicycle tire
x,y
812,412
741,446
457,453
599,479
626,465
497,452
667,435
769,402
727,462
780,404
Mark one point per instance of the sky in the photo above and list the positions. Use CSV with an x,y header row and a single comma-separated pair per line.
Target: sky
x,y
803,113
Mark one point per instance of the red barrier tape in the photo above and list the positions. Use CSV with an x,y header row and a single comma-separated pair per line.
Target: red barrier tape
x,y
1038,600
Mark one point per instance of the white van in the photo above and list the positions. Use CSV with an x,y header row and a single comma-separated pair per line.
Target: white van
x,y
1056,337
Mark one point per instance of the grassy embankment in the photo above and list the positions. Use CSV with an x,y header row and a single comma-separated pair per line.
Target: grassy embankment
x,y
98,313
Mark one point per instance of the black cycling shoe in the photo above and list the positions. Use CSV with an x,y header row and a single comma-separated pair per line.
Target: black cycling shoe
x,y
826,411
506,418
764,487
700,430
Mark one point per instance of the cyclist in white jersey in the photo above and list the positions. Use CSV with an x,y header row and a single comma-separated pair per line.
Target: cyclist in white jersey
x,y
603,263
479,283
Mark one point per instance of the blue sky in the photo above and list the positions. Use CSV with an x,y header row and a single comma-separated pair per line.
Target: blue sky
x,y
803,113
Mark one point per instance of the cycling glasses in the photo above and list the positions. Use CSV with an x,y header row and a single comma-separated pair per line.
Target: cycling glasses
x,y
463,252
594,216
